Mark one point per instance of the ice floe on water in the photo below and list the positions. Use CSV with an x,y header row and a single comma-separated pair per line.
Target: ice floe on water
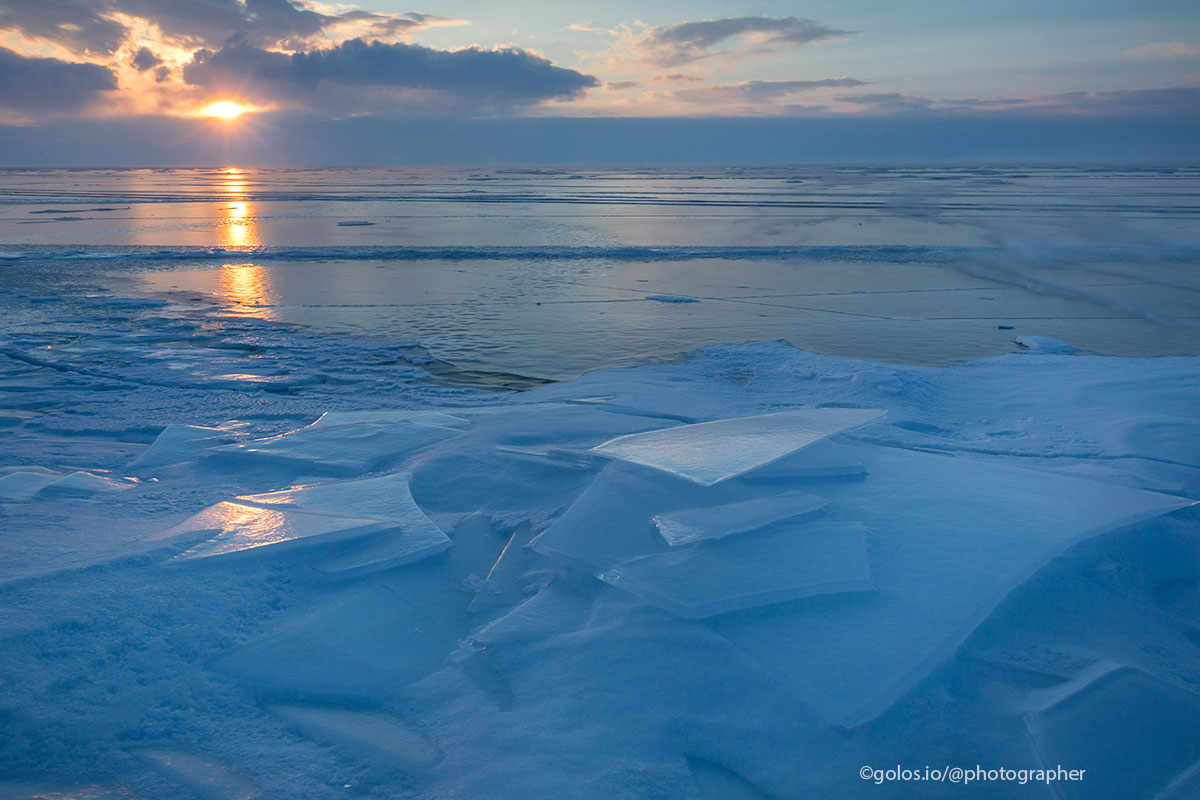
x,y
743,574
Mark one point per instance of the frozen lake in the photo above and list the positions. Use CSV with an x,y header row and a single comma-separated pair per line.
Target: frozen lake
x,y
550,273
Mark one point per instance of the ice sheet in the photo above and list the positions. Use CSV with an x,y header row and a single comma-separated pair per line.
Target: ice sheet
x,y
342,450
412,536
240,527
784,563
693,525
949,537
710,452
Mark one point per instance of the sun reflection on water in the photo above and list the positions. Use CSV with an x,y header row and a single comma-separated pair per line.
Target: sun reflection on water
x,y
237,223
245,287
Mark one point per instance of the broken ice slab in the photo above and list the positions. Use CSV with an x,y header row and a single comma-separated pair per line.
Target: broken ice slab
x,y
824,459
1134,734
176,444
413,535
710,452
241,527
16,487
366,646
695,524
554,456
948,537
784,563
334,418
613,520
342,450
79,484
388,741
202,776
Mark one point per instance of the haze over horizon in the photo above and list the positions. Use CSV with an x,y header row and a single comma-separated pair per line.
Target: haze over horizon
x,y
288,82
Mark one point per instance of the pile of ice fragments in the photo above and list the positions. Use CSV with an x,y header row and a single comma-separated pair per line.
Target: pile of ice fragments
x,y
909,550
472,577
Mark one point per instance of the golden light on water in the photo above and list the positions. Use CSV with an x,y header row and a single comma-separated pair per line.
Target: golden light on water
x,y
243,285
225,110
237,224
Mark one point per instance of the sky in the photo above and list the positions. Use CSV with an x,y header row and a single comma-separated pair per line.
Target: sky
x,y
292,81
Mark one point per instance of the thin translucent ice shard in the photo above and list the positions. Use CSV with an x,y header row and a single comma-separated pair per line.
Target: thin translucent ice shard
x,y
1135,735
176,444
332,419
710,452
241,527
784,563
413,535
949,537
696,524
342,450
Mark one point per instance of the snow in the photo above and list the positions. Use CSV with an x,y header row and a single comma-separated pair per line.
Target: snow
x,y
19,486
1103,726
710,452
692,525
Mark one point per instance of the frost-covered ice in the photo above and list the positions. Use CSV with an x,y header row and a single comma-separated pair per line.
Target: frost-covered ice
x,y
710,452
692,525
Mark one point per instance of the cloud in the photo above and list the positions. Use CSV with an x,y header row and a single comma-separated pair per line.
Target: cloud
x,y
686,42
495,78
48,84
887,102
759,91
145,59
81,25
92,26
1162,50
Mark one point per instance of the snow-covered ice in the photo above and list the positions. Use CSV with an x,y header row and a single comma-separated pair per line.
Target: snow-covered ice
x,y
710,452
23,485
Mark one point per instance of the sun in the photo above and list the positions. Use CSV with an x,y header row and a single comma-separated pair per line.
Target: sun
x,y
225,110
